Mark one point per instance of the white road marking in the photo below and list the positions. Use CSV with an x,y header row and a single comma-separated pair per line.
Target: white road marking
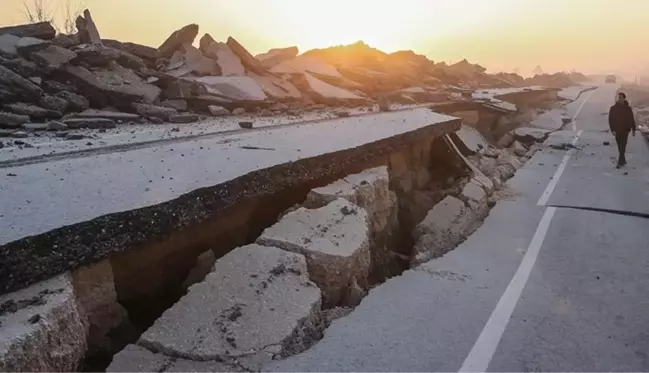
x,y
555,179
484,348
574,117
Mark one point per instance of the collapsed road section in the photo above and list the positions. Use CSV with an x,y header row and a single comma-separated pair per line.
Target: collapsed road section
x,y
188,252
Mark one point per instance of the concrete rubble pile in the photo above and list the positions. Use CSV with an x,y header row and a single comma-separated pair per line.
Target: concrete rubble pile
x,y
49,81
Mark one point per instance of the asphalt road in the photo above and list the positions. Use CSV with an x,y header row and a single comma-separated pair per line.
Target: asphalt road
x,y
556,279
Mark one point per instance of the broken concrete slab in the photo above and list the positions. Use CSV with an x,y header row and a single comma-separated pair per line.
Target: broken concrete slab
x,y
32,111
8,45
275,56
185,35
334,239
183,118
441,230
107,114
117,86
53,103
228,62
42,328
247,59
369,190
89,122
96,55
12,120
471,141
218,111
41,30
325,93
134,358
256,302
518,149
235,88
88,32
306,64
28,45
139,50
52,57
75,102
189,60
529,135
276,87
178,104
153,111
15,87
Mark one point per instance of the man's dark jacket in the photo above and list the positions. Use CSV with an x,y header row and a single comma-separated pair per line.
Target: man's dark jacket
x,y
620,118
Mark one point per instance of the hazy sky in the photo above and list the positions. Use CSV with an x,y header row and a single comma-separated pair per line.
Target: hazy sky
x,y
588,35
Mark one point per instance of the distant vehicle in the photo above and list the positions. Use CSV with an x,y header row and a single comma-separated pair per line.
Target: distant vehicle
x,y
610,79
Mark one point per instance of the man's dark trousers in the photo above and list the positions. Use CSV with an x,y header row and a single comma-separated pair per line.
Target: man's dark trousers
x,y
621,137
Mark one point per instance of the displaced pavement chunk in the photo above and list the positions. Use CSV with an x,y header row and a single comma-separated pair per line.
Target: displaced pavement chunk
x,y
256,302
442,229
41,328
335,241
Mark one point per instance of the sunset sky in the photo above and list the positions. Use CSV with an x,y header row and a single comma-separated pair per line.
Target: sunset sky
x,y
587,35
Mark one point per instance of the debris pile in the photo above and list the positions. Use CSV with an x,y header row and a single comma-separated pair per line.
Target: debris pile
x,y
82,80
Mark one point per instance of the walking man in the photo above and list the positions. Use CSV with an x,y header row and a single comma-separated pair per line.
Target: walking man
x,y
621,122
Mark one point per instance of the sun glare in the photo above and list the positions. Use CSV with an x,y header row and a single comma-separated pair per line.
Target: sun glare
x,y
387,25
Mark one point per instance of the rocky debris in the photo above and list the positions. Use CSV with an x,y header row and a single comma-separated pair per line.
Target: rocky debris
x,y
238,111
29,45
32,111
15,87
218,111
11,120
35,126
470,141
106,114
153,111
42,328
185,35
518,149
442,229
40,30
86,71
89,123
247,59
246,125
53,57
530,135
88,32
335,240
189,60
228,62
275,56
325,93
369,190
54,103
117,86
8,45
256,303
56,126
183,118
96,55
233,88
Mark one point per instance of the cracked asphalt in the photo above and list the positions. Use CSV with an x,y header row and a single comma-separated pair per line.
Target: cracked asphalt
x,y
556,279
